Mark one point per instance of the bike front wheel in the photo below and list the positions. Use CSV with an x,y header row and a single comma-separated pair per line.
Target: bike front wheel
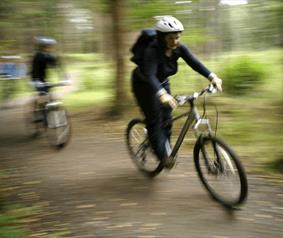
x,y
34,120
140,150
58,127
220,171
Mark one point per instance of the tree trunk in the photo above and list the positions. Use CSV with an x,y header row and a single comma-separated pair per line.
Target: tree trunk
x,y
119,52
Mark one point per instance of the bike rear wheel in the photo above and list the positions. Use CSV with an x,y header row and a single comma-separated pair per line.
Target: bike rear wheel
x,y
140,150
220,171
58,127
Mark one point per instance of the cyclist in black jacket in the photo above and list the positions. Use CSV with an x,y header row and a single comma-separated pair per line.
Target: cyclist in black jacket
x,y
43,59
150,82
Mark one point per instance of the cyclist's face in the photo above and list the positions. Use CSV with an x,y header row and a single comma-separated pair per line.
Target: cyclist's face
x,y
172,40
49,48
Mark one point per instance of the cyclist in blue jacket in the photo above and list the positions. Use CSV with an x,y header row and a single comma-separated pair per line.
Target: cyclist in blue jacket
x,y
150,82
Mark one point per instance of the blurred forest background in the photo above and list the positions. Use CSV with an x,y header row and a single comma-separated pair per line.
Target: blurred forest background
x,y
238,39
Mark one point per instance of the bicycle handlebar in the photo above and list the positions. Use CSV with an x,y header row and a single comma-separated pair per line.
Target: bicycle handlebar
x,y
211,88
39,84
181,100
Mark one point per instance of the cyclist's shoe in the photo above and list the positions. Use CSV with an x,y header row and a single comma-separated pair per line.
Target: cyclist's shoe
x,y
169,162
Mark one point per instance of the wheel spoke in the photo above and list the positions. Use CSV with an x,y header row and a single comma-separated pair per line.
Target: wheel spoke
x,y
227,160
220,171
140,150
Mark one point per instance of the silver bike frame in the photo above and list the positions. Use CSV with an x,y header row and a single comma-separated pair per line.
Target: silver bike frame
x,y
193,116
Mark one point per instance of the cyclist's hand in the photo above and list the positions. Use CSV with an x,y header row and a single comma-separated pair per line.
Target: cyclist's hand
x,y
217,82
37,84
167,99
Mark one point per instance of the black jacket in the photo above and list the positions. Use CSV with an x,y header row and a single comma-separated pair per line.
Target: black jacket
x,y
41,61
157,67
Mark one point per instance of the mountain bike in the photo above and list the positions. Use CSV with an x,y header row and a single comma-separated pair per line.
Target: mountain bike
x,y
218,166
48,115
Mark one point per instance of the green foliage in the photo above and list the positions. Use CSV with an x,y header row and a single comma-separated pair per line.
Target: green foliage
x,y
242,74
84,100
195,37
8,232
276,165
88,82
8,89
13,88
10,219
95,78
95,81
142,16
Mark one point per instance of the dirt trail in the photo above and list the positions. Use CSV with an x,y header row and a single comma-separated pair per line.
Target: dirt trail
x,y
92,189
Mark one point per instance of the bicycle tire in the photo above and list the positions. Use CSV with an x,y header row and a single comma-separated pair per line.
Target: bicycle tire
x,y
224,163
140,150
58,127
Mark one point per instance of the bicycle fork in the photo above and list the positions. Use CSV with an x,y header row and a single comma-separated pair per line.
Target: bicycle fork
x,y
216,165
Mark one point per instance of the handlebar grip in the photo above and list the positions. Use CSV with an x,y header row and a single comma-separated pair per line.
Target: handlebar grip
x,y
212,88
181,100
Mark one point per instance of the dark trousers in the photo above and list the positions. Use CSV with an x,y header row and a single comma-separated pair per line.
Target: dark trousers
x,y
155,115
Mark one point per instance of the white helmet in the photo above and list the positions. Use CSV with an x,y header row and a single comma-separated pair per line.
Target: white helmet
x,y
168,24
45,41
